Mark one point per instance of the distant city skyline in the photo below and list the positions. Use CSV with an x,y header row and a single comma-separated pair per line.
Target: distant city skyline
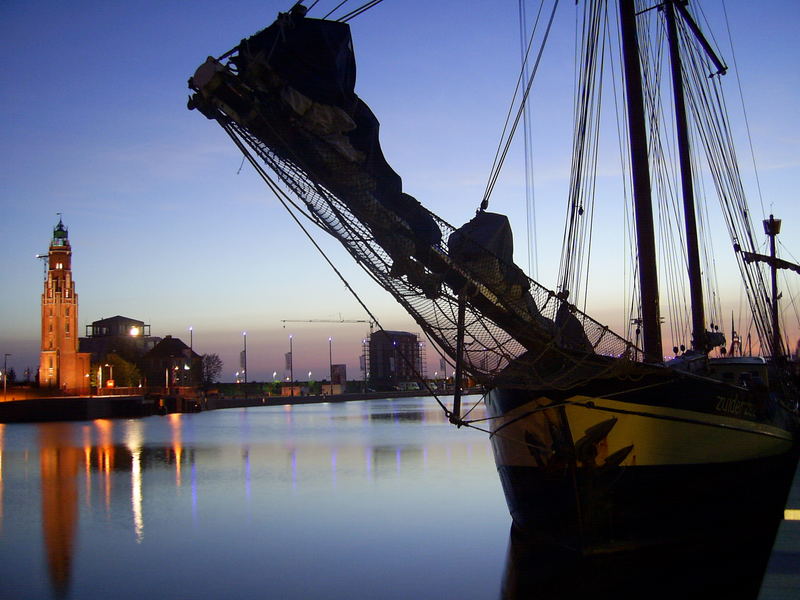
x,y
167,227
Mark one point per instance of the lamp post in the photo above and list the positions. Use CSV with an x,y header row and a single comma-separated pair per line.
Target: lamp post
x,y
110,372
191,332
330,362
291,366
244,355
5,375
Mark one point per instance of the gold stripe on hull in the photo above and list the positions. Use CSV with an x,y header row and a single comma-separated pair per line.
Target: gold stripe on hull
x,y
656,435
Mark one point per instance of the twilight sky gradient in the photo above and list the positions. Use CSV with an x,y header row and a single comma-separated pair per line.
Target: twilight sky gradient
x,y
165,228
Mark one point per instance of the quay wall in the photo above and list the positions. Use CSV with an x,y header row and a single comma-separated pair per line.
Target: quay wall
x,y
76,408
83,408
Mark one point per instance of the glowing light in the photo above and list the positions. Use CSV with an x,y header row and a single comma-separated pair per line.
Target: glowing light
x,y
792,514
135,331
134,437
136,495
177,444
87,453
105,456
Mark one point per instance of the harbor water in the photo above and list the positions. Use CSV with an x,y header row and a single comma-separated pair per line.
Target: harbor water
x,y
375,499
380,499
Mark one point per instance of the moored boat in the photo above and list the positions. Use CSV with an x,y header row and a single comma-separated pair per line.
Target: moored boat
x,y
600,443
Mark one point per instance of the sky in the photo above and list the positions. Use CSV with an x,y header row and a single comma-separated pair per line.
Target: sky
x,y
168,227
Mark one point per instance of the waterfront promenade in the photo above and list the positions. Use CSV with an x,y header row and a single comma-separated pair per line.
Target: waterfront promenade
x,y
86,408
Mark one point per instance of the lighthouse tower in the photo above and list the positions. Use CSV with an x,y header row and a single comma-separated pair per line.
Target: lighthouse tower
x,y
61,365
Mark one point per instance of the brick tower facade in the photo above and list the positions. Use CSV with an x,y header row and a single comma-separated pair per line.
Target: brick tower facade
x,y
61,365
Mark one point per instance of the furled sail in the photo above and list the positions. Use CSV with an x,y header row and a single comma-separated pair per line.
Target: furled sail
x,y
288,94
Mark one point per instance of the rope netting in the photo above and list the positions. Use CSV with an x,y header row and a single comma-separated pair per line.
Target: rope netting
x,y
516,331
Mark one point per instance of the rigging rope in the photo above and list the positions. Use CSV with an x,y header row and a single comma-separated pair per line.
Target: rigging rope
x,y
286,201
578,225
708,106
335,8
744,111
502,150
362,9
530,200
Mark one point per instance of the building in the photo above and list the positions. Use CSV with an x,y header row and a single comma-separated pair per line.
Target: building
x,y
61,365
171,364
123,336
395,358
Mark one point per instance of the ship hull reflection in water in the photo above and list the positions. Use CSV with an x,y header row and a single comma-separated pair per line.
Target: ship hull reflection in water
x,y
729,566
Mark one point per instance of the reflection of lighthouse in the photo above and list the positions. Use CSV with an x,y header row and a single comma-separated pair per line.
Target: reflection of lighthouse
x,y
59,461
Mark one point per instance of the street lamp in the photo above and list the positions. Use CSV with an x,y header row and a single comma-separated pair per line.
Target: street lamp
x,y
244,355
190,337
330,362
5,375
291,365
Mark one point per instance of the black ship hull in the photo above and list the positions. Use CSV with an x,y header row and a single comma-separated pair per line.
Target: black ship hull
x,y
597,475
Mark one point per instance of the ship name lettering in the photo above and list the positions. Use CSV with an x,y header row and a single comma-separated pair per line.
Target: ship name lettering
x,y
735,407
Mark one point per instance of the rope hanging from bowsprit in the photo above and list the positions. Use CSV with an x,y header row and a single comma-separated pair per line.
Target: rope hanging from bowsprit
x,y
510,128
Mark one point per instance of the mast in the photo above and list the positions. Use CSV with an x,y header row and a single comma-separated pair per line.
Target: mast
x,y
687,188
640,170
772,227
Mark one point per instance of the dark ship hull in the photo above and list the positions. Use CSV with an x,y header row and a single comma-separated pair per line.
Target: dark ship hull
x,y
665,459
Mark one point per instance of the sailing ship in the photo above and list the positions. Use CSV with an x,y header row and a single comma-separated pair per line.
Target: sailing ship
x,y
600,443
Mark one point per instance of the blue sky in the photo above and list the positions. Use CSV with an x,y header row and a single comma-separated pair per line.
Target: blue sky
x,y
166,229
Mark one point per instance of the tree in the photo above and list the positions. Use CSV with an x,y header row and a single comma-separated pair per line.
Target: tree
x,y
126,374
211,369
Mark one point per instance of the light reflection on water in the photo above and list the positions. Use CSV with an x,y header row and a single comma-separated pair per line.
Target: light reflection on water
x,y
378,499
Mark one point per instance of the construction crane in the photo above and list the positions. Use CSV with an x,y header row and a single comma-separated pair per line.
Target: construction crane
x,y
339,320
365,361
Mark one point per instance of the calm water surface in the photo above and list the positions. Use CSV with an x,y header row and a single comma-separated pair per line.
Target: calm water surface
x,y
377,499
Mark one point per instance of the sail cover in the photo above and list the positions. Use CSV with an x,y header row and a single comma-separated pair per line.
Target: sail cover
x,y
288,94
